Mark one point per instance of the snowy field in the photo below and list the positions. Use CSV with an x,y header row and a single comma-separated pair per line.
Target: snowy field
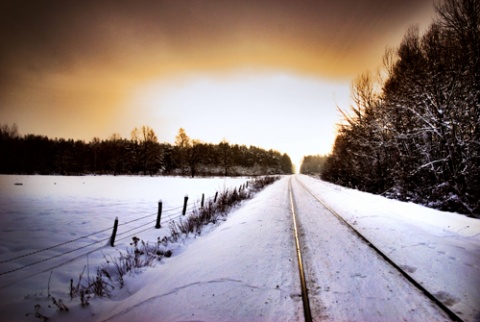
x,y
39,212
238,270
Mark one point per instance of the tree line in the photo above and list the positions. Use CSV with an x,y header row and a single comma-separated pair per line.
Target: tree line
x,y
413,129
313,164
141,154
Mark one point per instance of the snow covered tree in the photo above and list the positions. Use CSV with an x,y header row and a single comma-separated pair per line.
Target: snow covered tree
x,y
418,137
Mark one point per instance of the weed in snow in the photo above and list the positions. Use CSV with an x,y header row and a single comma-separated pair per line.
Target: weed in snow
x,y
143,254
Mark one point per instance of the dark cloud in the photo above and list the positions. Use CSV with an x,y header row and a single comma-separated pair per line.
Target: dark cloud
x,y
59,35
70,53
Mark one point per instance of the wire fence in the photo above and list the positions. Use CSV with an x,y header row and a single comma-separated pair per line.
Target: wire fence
x,y
127,231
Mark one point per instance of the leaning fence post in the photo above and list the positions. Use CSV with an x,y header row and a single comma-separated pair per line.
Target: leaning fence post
x,y
215,199
203,199
114,232
159,214
185,205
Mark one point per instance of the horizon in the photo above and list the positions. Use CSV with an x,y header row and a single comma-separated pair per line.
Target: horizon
x,y
251,72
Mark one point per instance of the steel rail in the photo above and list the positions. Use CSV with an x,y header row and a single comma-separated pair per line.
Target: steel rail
x,y
452,315
306,304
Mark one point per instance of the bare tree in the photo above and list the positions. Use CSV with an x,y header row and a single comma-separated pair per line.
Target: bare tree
x,y
148,149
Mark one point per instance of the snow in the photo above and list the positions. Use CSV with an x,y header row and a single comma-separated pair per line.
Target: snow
x,y
240,269
244,270
39,212
440,250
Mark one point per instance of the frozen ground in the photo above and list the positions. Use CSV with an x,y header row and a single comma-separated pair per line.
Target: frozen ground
x,y
243,268
38,212
348,281
440,250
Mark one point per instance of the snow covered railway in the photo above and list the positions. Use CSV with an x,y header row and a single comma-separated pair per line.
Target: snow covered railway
x,y
346,276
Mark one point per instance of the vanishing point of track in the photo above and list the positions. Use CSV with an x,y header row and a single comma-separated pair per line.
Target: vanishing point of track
x,y
303,283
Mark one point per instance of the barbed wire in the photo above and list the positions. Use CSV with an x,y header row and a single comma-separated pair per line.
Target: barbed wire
x,y
89,235
174,214
53,257
170,218
136,219
171,211
52,247
55,266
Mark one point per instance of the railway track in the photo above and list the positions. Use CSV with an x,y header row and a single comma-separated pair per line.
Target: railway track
x,y
305,300
361,239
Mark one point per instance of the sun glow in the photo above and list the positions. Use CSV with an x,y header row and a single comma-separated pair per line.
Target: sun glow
x,y
287,112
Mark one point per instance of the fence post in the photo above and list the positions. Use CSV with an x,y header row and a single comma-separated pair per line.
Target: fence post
x,y
203,199
159,214
215,199
114,232
185,205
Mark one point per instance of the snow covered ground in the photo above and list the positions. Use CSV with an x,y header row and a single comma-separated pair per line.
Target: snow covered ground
x,y
38,212
440,250
238,270
348,281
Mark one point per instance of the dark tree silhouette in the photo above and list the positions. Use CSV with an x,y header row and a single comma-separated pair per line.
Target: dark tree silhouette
x,y
142,154
414,134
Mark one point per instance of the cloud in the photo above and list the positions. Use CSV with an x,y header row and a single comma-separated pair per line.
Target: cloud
x,y
82,58
66,36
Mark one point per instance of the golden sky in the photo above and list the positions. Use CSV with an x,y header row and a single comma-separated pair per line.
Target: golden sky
x,y
252,72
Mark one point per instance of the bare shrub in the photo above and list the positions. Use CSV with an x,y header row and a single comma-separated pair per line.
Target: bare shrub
x,y
143,254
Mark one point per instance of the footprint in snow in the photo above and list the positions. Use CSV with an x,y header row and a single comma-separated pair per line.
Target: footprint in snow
x,y
446,298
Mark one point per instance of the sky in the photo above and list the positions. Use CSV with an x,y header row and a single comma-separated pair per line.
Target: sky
x,y
264,73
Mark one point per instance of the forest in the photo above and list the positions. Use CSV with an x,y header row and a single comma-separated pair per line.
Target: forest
x,y
412,131
313,164
141,154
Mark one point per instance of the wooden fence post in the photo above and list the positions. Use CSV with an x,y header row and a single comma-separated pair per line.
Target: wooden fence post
x,y
215,199
159,214
114,232
185,205
203,199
